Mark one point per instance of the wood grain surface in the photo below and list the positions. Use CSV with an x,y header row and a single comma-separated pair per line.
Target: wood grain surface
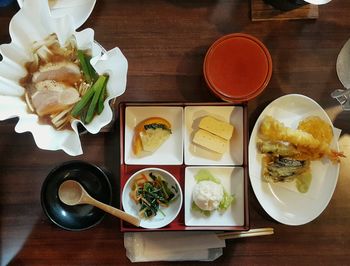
x,y
165,42
261,11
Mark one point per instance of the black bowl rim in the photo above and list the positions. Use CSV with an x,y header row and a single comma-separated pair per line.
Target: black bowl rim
x,y
44,185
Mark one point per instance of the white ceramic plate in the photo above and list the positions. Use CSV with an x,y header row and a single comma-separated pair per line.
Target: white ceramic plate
x,y
194,154
79,10
171,151
232,178
170,212
318,2
281,200
343,65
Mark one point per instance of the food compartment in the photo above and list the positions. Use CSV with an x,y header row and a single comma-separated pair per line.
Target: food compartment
x,y
160,193
210,197
221,118
170,152
128,170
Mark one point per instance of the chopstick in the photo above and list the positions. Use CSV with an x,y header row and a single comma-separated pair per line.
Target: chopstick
x,y
249,233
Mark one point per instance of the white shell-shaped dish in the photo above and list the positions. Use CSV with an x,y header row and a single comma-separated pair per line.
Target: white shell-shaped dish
x,y
79,10
34,23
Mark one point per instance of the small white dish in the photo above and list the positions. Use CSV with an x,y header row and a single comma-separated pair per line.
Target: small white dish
x,y
196,155
232,179
282,201
170,212
171,151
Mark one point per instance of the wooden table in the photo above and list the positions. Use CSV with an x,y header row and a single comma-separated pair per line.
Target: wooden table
x,y
165,43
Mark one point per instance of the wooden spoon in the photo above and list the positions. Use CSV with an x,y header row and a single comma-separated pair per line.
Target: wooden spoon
x,y
72,193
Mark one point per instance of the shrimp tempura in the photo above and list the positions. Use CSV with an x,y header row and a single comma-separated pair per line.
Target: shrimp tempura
x,y
312,148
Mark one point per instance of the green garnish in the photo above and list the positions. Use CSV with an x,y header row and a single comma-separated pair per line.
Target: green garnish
x,y
89,101
226,201
194,207
303,182
102,98
89,72
92,102
98,90
203,175
157,125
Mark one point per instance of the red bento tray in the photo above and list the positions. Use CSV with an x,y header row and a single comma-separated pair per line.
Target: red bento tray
x,y
126,170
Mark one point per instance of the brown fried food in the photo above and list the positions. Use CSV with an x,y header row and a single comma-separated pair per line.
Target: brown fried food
x,y
318,128
282,169
277,148
310,154
272,129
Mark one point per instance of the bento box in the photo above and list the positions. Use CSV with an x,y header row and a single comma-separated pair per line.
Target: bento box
x,y
184,159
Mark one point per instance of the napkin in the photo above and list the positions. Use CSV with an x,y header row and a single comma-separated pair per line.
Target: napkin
x,y
173,246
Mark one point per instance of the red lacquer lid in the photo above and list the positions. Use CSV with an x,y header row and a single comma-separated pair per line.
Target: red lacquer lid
x,y
237,67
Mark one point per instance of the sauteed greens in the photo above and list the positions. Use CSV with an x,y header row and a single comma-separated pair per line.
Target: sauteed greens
x,y
151,191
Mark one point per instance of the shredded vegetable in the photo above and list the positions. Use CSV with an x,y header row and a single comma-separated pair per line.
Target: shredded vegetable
x,y
151,192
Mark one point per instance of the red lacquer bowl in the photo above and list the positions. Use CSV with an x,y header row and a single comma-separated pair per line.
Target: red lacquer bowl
x,y
237,67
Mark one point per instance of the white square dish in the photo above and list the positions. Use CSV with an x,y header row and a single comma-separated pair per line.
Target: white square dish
x,y
196,155
232,179
171,151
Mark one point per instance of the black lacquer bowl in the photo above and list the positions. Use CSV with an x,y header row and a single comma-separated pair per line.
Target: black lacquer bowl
x,y
286,5
79,217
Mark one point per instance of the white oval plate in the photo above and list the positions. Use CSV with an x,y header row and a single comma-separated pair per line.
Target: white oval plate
x,y
282,201
170,212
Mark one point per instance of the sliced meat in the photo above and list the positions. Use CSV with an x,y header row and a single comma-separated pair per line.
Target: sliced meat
x,y
64,71
52,97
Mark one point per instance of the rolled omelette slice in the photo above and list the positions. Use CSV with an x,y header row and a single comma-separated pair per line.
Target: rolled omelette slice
x,y
217,127
210,141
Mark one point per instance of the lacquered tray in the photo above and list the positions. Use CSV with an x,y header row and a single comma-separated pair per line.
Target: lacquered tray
x,y
178,170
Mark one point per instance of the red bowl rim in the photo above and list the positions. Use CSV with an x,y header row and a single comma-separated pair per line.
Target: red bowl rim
x,y
255,92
